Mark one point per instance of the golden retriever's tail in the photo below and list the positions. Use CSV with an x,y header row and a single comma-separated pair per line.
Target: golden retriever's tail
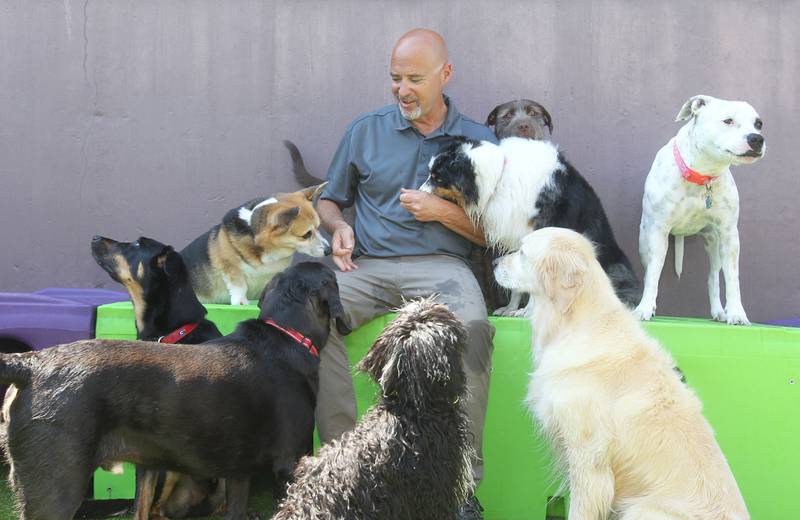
x,y
14,370
678,255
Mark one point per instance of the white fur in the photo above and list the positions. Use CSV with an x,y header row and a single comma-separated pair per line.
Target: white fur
x,y
672,205
247,214
628,433
510,177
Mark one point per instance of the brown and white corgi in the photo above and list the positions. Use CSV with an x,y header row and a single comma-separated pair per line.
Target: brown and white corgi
x,y
232,262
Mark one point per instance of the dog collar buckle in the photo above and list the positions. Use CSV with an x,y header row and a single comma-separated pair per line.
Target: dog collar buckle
x,y
295,335
178,334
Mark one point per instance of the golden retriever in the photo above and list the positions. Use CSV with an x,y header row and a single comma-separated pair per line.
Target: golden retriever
x,y
630,436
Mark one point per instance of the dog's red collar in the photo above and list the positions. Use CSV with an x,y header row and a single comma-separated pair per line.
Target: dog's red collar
x,y
689,174
178,334
303,340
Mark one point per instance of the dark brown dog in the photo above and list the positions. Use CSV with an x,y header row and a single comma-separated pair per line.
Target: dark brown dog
x,y
521,118
163,302
228,408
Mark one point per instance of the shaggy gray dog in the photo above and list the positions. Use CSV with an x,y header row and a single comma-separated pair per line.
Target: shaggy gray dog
x,y
410,456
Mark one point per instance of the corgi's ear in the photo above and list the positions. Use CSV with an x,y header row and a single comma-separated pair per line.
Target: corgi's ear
x,y
312,193
282,219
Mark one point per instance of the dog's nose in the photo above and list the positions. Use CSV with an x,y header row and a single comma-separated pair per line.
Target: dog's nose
x,y
524,127
756,142
327,251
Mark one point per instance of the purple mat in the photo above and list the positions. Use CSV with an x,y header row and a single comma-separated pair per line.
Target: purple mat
x,y
52,316
788,322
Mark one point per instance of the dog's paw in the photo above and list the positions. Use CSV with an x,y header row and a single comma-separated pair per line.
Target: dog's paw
x,y
519,313
719,315
737,317
506,311
644,312
240,300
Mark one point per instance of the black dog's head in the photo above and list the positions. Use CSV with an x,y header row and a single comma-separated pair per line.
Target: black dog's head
x,y
305,297
154,275
452,172
520,118
417,358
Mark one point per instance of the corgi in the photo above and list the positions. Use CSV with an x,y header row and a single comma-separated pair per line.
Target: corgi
x,y
234,260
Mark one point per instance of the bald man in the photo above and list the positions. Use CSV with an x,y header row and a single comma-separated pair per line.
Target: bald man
x,y
406,243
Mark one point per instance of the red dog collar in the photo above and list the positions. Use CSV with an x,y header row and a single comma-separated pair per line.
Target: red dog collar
x,y
306,342
688,173
178,334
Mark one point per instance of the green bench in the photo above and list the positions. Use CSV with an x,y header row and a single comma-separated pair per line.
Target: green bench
x,y
747,377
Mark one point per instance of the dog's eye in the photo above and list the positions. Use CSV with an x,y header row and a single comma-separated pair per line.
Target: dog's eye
x,y
728,121
507,116
758,124
308,235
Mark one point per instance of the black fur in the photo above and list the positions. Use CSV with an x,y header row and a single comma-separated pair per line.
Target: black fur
x,y
409,457
228,408
447,168
571,202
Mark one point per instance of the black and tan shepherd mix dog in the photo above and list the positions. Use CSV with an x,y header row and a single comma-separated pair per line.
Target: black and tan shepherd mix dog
x,y
229,408
234,260
166,311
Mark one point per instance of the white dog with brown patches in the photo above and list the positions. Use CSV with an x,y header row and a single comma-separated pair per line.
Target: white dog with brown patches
x,y
690,190
629,434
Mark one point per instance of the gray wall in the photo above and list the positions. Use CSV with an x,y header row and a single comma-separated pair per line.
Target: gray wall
x,y
154,117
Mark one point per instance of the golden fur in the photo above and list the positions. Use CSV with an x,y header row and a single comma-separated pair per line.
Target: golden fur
x,y
630,436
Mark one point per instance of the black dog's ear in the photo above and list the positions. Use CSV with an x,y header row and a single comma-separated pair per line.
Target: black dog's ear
x,y
491,120
330,295
160,260
548,121
268,289
173,265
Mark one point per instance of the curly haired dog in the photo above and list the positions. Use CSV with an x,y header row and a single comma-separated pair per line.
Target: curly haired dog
x,y
409,457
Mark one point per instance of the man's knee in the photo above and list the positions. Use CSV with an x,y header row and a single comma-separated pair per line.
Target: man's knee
x,y
478,349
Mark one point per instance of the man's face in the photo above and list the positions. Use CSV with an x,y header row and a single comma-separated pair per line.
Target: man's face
x,y
417,82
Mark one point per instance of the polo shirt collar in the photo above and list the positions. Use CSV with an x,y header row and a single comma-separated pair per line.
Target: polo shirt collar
x,y
451,125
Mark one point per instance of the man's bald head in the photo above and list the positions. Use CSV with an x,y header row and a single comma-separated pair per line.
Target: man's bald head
x,y
421,43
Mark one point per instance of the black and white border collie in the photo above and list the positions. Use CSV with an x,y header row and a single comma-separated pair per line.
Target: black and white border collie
x,y
522,185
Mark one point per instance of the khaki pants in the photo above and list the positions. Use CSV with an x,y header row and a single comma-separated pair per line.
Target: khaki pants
x,y
375,288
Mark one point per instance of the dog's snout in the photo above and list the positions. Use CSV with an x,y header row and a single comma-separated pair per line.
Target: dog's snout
x,y
327,250
756,142
97,238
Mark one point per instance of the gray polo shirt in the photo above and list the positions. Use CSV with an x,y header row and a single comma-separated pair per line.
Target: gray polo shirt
x,y
380,153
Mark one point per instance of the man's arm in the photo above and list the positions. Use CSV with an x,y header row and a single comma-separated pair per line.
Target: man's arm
x,y
342,236
427,207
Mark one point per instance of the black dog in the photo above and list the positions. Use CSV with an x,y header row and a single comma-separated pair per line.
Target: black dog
x,y
167,311
520,118
229,408
410,455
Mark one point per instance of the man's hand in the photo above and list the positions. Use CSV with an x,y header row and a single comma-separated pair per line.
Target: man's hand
x,y
425,207
342,242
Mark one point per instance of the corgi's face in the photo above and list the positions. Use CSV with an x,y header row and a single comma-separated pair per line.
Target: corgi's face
x,y
288,222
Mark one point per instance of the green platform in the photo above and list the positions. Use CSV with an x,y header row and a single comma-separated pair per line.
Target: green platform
x,y
747,377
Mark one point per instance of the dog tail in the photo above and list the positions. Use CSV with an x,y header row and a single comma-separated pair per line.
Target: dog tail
x,y
14,370
301,174
678,255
